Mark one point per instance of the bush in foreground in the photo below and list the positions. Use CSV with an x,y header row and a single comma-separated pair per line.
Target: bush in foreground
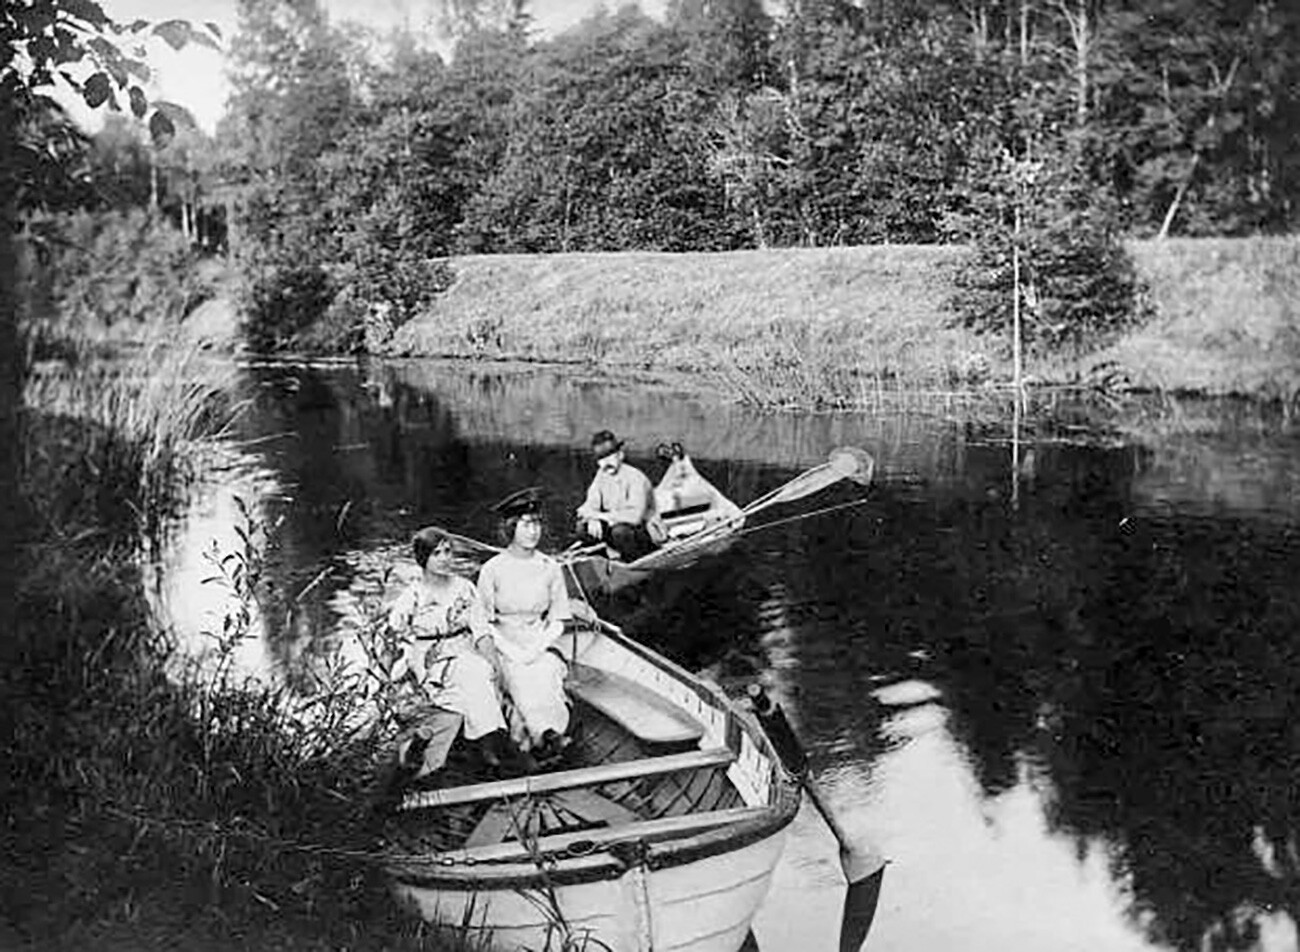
x,y
150,801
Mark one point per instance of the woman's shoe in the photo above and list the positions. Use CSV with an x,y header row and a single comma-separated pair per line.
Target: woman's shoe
x,y
552,747
503,757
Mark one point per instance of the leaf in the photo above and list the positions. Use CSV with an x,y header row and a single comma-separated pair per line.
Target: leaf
x,y
87,11
110,57
202,39
97,90
176,32
214,29
68,48
137,69
161,129
139,104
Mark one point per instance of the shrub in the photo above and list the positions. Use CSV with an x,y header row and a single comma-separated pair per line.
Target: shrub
x,y
282,301
1078,285
105,276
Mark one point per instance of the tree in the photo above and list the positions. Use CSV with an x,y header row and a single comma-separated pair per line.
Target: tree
x,y
41,41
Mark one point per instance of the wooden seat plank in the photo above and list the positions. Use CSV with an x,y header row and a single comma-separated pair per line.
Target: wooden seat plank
x,y
569,779
636,708
497,824
591,807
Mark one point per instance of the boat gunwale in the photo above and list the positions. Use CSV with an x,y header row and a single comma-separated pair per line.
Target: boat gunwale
x,y
436,871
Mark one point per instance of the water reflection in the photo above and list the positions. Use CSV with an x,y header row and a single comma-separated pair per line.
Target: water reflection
x,y
1055,684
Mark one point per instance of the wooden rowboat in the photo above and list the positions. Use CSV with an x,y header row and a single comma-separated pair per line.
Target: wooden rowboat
x,y
659,830
694,533
699,532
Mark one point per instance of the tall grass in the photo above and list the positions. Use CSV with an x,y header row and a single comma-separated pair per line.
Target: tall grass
x,y
151,800
810,324
832,327
111,442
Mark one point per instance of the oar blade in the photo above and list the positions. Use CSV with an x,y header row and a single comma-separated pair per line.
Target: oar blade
x,y
854,463
860,903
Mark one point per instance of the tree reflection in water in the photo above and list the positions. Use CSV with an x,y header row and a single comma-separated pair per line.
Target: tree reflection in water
x,y
1135,665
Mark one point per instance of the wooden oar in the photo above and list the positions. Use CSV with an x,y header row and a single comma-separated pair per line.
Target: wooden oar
x,y
846,462
864,868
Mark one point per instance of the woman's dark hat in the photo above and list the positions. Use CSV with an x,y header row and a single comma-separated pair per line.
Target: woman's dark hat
x,y
520,503
603,443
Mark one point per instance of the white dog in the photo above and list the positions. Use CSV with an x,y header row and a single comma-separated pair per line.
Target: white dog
x,y
686,501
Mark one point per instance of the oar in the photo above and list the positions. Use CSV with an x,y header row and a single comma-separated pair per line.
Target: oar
x,y
864,868
846,462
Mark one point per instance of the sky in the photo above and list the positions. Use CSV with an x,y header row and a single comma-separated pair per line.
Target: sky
x,y
195,76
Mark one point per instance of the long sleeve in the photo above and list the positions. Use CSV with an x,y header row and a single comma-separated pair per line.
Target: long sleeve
x,y
593,506
402,612
479,623
559,609
487,594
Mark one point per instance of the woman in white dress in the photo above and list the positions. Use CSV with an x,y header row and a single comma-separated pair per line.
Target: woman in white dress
x,y
524,599
446,662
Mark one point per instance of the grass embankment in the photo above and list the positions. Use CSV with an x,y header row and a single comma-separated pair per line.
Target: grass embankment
x,y
149,803
1227,318
835,326
804,325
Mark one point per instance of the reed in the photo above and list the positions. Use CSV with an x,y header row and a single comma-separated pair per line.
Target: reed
x,y
110,444
155,800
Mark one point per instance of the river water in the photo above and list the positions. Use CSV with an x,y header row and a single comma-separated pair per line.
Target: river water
x,y
1054,684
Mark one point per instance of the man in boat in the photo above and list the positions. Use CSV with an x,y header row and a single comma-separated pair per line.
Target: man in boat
x,y
620,506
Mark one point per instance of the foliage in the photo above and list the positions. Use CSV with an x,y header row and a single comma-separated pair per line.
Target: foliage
x,y
1078,286
100,276
283,301
730,125
44,43
112,442
131,774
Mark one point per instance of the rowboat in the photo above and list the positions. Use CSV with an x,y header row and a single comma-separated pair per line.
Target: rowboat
x,y
659,830
697,532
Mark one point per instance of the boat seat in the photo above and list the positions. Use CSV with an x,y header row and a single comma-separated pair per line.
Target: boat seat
x,y
634,707
536,784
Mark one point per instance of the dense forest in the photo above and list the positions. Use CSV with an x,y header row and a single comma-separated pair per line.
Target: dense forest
x,y
349,163
734,123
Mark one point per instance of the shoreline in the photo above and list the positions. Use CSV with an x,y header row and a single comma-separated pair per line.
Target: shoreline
x,y
848,322
841,328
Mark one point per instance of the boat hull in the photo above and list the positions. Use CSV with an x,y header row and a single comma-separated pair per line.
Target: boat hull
x,y
590,574
705,905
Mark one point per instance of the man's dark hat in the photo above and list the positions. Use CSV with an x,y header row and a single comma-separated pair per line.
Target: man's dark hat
x,y
603,443
520,503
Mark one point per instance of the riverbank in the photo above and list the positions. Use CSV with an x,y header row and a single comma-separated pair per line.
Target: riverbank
x,y
837,325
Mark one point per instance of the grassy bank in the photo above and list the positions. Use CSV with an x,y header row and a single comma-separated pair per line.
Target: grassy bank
x,y
151,804
808,326
831,326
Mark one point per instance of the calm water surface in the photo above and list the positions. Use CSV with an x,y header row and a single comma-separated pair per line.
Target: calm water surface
x,y
1056,686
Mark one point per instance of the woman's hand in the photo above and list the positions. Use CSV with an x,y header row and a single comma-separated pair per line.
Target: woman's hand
x,y
485,646
458,616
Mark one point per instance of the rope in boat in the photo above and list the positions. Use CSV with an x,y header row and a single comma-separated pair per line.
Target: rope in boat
x,y
803,515
372,857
